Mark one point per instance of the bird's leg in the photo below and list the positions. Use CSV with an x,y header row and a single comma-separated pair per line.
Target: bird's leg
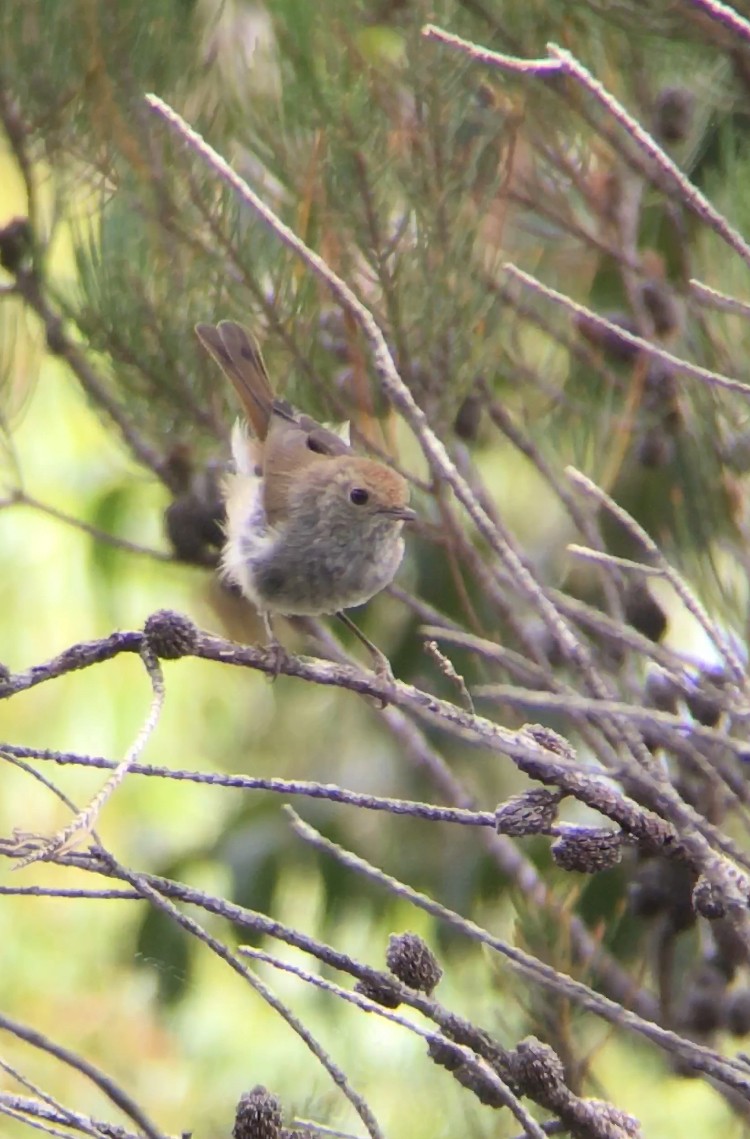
x,y
277,654
381,664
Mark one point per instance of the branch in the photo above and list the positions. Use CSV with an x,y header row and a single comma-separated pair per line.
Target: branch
x,y
733,1073
394,387
725,15
665,172
84,822
712,379
546,755
105,1084
141,883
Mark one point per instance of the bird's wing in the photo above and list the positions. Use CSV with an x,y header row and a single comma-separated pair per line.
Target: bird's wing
x,y
294,445
291,441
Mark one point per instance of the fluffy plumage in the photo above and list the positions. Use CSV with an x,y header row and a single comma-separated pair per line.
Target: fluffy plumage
x,y
312,528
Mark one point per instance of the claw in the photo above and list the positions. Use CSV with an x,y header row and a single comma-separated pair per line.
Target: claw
x,y
277,658
380,663
383,671
275,651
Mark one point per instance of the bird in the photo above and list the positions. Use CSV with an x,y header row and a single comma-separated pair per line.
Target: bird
x,y
312,528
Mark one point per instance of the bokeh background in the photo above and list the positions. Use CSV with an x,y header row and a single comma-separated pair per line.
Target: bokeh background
x,y
416,174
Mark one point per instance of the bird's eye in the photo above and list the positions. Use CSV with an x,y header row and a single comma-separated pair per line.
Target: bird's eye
x,y
359,496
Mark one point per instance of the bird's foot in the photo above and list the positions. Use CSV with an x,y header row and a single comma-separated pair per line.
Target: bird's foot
x,y
278,658
276,654
380,663
381,666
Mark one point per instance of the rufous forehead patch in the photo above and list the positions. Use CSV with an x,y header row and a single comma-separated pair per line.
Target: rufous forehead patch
x,y
389,486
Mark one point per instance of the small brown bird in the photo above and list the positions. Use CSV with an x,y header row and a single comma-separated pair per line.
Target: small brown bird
x,y
312,528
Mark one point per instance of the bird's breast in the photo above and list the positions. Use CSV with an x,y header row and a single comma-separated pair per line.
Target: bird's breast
x,y
310,564
323,575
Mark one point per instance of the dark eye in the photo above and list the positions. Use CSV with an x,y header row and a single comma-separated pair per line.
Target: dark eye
x,y
359,496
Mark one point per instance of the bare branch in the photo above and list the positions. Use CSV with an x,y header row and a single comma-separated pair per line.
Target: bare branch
x,y
494,58
713,379
725,15
111,1090
730,1072
83,824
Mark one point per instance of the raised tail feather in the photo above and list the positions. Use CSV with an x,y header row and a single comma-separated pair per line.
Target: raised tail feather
x,y
237,353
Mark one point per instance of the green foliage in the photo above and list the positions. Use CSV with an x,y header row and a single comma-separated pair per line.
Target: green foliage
x,y
416,174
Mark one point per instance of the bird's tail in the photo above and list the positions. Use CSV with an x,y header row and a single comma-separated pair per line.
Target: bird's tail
x,y
238,354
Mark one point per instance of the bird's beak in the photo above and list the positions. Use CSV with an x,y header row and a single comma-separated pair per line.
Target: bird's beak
x,y
401,513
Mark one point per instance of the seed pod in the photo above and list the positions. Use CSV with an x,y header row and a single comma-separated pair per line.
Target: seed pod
x,y
614,346
15,244
664,886
644,613
379,991
661,692
702,1007
170,635
737,1012
412,961
258,1115
468,418
661,305
588,850
531,812
673,114
444,1054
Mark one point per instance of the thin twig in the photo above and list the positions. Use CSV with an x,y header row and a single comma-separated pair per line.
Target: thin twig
x,y
19,497
713,379
723,645
730,1072
510,1100
141,883
726,16
83,655
448,670
495,58
611,561
84,822
718,300
105,1084
300,1124
330,792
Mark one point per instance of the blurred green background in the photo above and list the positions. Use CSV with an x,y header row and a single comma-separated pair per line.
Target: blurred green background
x,y
78,970
168,1020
